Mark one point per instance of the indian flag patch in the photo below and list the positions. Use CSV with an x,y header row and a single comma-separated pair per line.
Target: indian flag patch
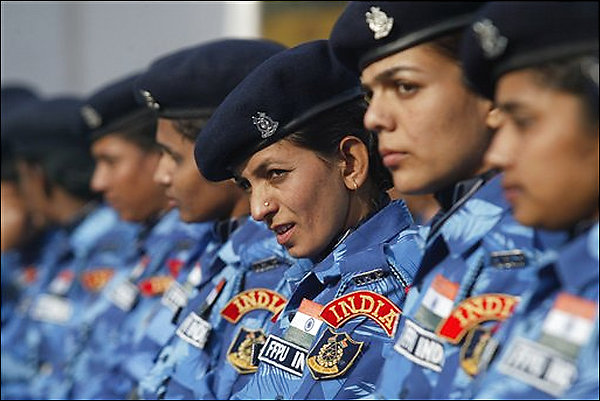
x,y
437,302
569,324
305,324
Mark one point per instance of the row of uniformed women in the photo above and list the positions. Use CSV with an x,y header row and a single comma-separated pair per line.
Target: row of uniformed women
x,y
347,298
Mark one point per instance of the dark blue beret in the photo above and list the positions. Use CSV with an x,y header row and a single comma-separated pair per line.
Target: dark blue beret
x,y
44,126
192,82
371,30
274,100
113,108
512,35
14,96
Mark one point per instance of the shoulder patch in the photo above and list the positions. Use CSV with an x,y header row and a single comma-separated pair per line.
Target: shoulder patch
x,y
472,311
283,355
240,351
94,280
362,303
333,355
249,300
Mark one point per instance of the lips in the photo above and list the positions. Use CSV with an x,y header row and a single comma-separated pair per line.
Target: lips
x,y
283,232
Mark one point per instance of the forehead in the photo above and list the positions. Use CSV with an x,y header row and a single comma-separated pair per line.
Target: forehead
x,y
114,144
282,151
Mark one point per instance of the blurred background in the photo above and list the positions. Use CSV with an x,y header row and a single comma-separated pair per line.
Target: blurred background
x,y
75,47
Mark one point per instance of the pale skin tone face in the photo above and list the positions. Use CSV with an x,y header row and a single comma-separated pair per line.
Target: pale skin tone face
x,y
305,200
548,151
124,174
197,198
431,128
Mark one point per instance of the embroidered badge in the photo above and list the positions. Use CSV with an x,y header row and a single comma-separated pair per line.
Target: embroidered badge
x,y
247,301
437,302
265,125
28,276
151,103
333,355
538,366
240,351
52,308
368,277
124,296
421,346
174,265
569,324
155,285
194,330
508,259
472,311
379,22
283,355
362,303
492,43
305,324
472,350
96,279
91,117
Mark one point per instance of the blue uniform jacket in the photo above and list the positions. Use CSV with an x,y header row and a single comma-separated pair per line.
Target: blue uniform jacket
x,y
549,347
342,362
474,269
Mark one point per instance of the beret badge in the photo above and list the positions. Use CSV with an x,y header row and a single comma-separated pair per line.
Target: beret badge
x,y
492,43
91,116
151,103
379,22
265,124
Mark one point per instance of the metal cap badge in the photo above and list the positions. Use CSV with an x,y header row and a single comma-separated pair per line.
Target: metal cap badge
x,y
265,124
150,101
492,43
379,22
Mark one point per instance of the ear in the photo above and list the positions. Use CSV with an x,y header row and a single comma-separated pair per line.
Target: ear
x,y
355,162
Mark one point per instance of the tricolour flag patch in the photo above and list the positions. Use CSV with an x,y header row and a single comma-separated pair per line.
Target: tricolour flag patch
x,y
305,324
472,311
362,303
437,302
569,324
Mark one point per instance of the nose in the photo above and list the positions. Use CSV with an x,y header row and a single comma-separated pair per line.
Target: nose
x,y
378,116
163,175
261,207
504,147
99,182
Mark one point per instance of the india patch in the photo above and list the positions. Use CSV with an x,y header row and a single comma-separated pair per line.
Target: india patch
x,y
247,301
362,303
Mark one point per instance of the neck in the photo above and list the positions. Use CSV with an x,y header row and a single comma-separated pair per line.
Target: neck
x,y
65,208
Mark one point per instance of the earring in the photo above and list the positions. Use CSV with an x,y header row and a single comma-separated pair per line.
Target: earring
x,y
266,204
355,184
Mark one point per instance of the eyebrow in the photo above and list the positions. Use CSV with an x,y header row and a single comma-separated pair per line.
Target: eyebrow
x,y
509,107
388,74
262,167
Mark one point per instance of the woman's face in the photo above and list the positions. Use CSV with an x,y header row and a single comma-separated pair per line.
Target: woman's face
x,y
124,174
196,198
548,151
302,198
431,129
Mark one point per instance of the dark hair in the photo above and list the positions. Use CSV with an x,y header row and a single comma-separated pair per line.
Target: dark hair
x,y
448,45
189,127
574,76
143,134
70,169
324,133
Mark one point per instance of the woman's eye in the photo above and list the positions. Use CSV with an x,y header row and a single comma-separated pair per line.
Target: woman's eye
x,y
406,88
276,173
243,183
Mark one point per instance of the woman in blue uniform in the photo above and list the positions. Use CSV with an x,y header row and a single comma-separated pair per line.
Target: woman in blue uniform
x,y
291,134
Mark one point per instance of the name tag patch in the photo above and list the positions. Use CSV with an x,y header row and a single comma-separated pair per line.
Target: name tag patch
x,y
124,296
421,346
194,330
240,353
538,366
362,303
508,259
283,355
52,309
175,297
333,355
